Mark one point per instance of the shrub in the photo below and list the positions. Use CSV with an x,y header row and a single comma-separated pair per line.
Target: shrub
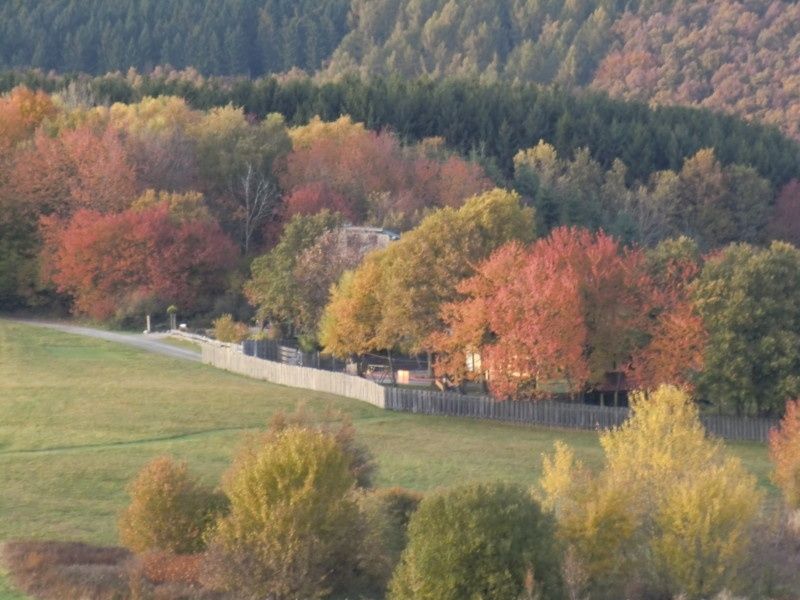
x,y
227,330
387,513
162,567
339,425
784,450
49,569
479,541
169,509
669,514
294,529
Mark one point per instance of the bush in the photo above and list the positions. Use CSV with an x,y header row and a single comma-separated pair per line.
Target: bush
x,y
479,541
169,510
294,529
227,330
669,514
339,425
387,513
46,569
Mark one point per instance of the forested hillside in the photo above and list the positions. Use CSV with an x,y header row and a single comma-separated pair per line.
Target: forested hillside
x,y
736,56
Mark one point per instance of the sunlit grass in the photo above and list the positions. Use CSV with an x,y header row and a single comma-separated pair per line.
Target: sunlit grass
x,y
79,417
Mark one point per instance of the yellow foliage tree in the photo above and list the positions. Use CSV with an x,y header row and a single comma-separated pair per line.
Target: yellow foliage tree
x,y
340,129
394,299
669,513
350,321
186,206
293,530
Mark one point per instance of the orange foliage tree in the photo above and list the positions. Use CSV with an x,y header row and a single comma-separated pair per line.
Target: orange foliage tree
x,y
572,307
784,450
21,111
370,176
82,168
674,353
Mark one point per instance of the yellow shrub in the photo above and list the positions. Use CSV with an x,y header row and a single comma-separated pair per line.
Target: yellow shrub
x,y
294,529
669,513
228,330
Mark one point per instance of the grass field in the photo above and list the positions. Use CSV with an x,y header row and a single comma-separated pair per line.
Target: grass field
x,y
79,417
182,343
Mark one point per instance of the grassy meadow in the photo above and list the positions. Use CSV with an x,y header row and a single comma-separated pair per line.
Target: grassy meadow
x,y
79,417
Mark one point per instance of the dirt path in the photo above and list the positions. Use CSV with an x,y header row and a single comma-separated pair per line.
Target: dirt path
x,y
152,342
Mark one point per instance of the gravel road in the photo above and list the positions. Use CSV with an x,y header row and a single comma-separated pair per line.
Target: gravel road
x,y
152,342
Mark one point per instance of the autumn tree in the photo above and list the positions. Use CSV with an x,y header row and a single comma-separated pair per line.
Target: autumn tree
x,y
746,298
293,529
784,450
712,203
677,336
82,168
412,278
719,205
377,180
21,112
113,264
669,513
237,161
575,309
312,198
349,324
273,288
158,140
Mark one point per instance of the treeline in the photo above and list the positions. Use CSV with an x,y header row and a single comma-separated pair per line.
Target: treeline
x,y
114,212
731,55
137,206
490,122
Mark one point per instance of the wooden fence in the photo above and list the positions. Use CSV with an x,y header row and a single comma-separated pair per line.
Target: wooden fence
x,y
341,384
543,414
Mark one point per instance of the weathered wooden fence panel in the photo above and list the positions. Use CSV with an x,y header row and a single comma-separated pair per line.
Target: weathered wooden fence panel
x,y
428,402
548,414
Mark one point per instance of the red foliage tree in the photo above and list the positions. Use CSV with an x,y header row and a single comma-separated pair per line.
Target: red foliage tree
x,y
42,176
104,179
311,198
677,334
113,263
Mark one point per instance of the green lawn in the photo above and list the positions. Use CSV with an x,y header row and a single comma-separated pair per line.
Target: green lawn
x,y
79,417
183,343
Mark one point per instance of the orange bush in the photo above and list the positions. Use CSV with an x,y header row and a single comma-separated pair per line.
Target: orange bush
x,y
169,510
163,567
